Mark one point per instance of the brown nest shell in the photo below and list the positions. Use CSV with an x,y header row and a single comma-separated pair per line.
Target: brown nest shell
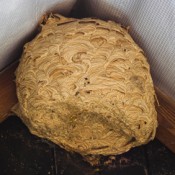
x,y
86,85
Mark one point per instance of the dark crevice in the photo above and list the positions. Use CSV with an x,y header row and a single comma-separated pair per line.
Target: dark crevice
x,y
88,22
67,22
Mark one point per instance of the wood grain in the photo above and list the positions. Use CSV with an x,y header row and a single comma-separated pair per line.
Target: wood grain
x,y
166,110
7,90
166,119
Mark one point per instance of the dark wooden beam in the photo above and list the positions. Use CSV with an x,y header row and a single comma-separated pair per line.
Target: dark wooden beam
x,y
166,120
7,90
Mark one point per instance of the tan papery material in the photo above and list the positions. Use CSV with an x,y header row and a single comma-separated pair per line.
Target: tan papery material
x,y
86,85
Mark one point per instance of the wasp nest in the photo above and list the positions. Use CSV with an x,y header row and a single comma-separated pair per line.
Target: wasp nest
x,y
86,85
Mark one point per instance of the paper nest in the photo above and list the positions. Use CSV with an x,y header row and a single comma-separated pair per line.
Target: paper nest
x,y
85,85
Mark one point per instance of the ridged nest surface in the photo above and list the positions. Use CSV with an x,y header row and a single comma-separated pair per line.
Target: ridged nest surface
x,y
86,85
